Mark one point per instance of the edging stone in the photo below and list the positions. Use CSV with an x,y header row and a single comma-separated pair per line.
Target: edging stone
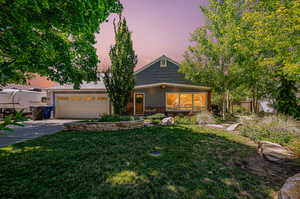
x,y
103,126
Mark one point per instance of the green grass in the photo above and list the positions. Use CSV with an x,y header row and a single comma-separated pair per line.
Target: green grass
x,y
194,163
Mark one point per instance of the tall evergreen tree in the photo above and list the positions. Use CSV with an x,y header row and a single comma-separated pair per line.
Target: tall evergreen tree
x,y
119,79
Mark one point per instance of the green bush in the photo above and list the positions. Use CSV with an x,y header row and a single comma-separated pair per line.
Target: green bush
x,y
279,129
155,121
185,119
156,116
205,117
240,110
264,133
116,118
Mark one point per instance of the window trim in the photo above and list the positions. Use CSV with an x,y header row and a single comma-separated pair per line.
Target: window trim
x,y
181,109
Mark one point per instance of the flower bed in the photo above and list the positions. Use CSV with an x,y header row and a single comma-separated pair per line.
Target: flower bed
x,y
103,126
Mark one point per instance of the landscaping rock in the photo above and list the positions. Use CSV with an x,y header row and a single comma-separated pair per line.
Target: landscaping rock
x,y
273,172
103,126
291,188
274,152
233,127
215,126
168,121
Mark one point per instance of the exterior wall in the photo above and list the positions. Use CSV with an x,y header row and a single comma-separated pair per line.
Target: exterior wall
x,y
156,74
155,97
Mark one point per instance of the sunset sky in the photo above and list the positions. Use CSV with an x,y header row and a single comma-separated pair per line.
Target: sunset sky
x,y
158,27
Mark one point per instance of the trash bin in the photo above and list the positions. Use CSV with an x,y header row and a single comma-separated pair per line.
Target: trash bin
x,y
47,112
37,112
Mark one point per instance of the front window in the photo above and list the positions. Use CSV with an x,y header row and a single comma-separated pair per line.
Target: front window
x,y
163,63
172,100
185,101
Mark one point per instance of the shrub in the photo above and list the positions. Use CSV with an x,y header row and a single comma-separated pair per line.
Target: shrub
x,y
185,119
154,121
276,128
205,117
240,110
156,116
116,118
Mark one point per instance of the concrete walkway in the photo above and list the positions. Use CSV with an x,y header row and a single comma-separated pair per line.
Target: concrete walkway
x,y
31,130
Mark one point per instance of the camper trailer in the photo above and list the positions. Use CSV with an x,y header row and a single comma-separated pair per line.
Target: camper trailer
x,y
12,100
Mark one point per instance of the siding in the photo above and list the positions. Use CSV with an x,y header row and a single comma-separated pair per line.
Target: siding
x,y
156,74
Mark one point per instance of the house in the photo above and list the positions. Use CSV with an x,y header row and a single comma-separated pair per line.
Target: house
x,y
159,87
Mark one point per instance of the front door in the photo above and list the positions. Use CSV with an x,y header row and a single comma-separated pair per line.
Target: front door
x,y
139,103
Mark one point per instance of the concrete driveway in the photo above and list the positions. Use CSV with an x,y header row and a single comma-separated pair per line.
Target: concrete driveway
x,y
31,130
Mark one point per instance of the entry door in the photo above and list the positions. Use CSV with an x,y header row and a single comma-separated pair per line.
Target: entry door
x,y
139,103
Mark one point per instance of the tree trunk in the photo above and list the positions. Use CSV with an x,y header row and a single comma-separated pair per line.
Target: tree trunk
x,y
254,103
224,106
227,101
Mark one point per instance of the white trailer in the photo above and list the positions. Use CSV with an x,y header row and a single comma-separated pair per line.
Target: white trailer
x,y
17,100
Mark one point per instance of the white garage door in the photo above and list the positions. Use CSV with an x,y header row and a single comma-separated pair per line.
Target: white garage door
x,y
81,105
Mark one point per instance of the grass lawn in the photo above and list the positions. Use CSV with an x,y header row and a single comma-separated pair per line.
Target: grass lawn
x,y
193,164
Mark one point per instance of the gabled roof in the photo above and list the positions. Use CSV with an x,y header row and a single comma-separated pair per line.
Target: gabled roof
x,y
157,60
153,73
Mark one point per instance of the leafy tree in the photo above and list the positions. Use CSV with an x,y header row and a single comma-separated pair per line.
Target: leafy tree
x,y
211,61
119,79
51,38
269,38
286,99
256,41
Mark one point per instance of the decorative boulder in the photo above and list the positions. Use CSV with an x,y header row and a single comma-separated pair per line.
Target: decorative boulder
x,y
274,152
291,188
168,121
233,127
219,126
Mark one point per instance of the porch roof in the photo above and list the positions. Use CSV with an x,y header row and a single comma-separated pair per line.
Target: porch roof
x,y
172,85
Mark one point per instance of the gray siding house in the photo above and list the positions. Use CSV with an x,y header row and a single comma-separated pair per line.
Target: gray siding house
x,y
159,87
164,89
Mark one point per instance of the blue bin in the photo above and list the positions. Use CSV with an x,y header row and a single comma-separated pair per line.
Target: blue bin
x,y
47,112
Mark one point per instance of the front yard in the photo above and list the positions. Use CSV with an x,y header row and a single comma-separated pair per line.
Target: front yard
x,y
192,163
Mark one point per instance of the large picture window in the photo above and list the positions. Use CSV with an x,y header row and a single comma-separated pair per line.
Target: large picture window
x,y
185,101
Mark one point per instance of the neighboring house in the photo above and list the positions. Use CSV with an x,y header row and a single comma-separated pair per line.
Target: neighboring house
x,y
159,87
41,82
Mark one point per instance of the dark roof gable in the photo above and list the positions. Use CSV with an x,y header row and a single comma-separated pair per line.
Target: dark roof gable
x,y
154,73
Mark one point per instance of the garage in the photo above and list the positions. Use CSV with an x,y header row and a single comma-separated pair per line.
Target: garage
x,y
81,105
